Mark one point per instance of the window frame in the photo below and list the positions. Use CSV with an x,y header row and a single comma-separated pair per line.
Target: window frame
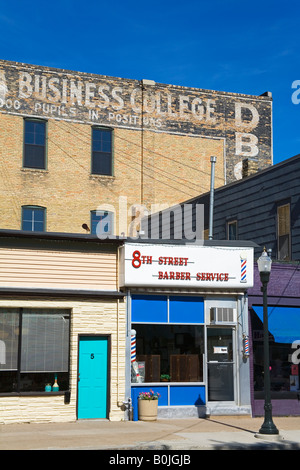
x,y
232,222
104,129
33,207
163,311
18,372
111,216
41,121
281,205
179,334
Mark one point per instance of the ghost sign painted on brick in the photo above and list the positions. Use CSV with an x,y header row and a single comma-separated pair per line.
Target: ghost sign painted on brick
x,y
243,121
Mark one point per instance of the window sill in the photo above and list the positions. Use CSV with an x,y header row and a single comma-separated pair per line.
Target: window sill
x,y
34,170
105,177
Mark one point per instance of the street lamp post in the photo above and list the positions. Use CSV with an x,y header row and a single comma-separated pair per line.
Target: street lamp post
x,y
264,267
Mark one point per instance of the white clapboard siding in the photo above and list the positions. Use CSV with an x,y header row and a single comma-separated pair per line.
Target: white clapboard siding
x,y
57,269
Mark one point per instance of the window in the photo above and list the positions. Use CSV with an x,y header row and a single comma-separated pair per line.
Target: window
x,y
170,352
34,349
232,230
284,334
101,223
34,144
33,218
172,348
101,151
283,232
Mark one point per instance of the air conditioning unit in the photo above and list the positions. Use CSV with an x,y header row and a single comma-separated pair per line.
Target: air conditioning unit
x,y
221,315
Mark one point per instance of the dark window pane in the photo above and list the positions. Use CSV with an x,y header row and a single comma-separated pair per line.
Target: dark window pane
x,y
8,381
170,351
27,226
33,219
106,146
34,139
101,163
102,152
34,157
103,221
232,231
39,215
284,227
36,381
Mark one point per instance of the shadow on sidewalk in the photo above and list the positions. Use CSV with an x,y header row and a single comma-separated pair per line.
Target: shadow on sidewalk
x,y
231,426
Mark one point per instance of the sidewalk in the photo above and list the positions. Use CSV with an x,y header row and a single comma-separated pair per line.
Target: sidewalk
x,y
214,433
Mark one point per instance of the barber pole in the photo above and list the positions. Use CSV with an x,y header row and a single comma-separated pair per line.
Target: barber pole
x,y
243,270
246,346
133,345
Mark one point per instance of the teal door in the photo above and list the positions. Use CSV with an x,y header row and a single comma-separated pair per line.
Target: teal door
x,y
92,378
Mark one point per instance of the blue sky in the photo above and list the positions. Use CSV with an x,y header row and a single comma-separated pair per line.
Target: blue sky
x,y
225,45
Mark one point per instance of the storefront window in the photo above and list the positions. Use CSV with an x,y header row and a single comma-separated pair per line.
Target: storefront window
x,y
169,353
284,332
34,349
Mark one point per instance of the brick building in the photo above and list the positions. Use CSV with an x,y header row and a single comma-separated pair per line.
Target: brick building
x,y
73,143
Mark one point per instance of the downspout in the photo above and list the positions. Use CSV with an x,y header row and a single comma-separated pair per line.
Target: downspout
x,y
211,204
144,84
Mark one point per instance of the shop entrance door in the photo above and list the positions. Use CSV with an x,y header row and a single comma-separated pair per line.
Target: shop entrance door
x,y
220,364
92,377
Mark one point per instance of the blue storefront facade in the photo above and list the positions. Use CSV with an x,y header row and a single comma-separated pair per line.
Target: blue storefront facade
x,y
187,326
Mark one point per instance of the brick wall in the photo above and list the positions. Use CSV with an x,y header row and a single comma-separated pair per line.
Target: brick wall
x,y
163,139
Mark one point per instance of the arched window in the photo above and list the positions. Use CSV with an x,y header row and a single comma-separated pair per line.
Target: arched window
x,y
34,218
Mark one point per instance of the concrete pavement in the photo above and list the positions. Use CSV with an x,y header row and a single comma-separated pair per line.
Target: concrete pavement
x,y
213,433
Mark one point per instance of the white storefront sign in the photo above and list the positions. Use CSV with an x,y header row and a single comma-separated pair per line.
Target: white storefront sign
x,y
185,266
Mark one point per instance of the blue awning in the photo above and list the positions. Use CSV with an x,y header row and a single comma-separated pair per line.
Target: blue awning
x,y
283,322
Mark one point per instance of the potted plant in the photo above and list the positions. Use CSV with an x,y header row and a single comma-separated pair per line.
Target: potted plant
x,y
165,377
147,405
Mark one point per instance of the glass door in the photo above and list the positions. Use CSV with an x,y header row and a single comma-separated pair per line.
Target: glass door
x,y
220,364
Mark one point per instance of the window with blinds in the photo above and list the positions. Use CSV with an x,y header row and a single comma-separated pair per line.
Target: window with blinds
x,y
45,342
34,349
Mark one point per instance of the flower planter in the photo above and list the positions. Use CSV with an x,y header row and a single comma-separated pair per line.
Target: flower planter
x,y
147,410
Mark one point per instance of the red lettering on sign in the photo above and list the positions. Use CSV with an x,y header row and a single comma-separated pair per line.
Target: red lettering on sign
x,y
212,277
169,260
175,276
137,259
